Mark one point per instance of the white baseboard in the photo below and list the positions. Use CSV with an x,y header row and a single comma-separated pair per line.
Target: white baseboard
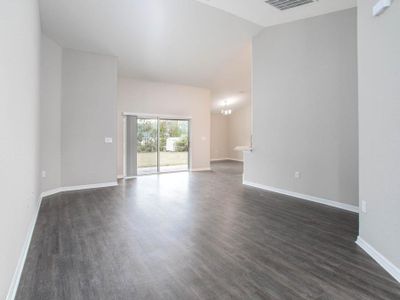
x,y
89,186
235,159
12,291
51,192
77,188
336,204
200,169
379,258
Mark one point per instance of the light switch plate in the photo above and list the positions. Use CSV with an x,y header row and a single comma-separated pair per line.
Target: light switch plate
x,y
108,140
364,206
380,7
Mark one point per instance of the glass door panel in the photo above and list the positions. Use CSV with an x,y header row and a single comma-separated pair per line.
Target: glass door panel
x,y
173,145
147,144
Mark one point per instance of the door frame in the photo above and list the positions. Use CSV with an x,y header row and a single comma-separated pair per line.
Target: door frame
x,y
157,117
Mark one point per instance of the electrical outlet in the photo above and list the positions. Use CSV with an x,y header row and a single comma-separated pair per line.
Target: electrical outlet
x,y
108,140
43,174
297,174
364,206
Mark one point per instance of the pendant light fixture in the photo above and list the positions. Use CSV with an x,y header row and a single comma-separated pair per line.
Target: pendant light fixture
x,y
225,110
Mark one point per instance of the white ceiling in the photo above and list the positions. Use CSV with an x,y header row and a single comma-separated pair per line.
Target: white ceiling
x,y
176,41
263,14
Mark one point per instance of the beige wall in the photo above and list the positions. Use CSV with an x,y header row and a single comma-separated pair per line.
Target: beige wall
x,y
379,115
157,98
239,131
227,132
219,137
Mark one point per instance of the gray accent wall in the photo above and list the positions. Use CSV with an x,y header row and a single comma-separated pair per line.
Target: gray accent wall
x,y
379,113
88,115
305,108
19,134
50,114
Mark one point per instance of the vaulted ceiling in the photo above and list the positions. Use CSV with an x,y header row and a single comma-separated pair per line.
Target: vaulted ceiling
x,y
176,41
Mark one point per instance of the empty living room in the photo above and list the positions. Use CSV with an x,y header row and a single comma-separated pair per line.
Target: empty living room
x,y
199,149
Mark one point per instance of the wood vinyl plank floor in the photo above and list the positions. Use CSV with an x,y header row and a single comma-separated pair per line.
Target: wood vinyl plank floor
x,y
200,235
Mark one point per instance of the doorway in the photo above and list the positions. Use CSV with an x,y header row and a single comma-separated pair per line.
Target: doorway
x,y
162,145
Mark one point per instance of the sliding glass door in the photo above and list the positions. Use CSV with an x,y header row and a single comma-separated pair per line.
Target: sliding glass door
x,y
147,144
174,145
162,145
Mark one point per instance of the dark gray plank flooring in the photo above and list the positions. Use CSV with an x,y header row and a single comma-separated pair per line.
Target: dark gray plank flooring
x,y
196,236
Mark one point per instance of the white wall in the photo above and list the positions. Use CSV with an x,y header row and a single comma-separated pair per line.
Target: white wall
x,y
19,130
168,99
379,123
305,108
88,113
50,114
219,137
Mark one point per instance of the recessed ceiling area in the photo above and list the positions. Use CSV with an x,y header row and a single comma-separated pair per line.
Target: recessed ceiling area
x,y
263,14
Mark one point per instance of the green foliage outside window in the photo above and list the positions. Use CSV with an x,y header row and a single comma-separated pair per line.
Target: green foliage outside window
x,y
147,135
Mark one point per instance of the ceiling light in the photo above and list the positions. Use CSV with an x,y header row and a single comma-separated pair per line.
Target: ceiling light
x,y
225,110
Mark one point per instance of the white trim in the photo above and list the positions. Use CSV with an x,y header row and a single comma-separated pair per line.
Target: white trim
x,y
51,192
77,188
235,159
155,116
88,186
379,258
158,117
120,176
336,204
12,291
200,169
